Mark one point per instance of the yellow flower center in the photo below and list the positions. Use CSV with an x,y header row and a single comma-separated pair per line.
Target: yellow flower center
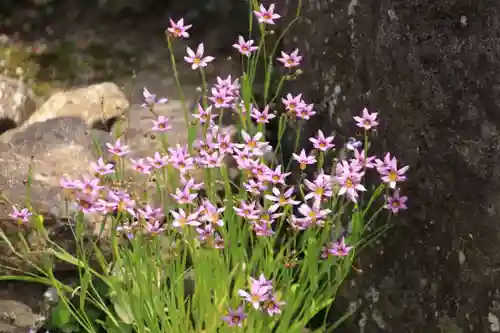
x,y
393,176
312,215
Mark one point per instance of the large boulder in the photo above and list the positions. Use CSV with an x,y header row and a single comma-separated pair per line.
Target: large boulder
x,y
430,69
98,105
22,307
49,150
17,103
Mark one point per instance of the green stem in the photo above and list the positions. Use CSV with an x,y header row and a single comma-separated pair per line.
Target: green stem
x,y
177,81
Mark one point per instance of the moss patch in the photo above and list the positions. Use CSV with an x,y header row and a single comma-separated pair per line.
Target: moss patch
x,y
62,64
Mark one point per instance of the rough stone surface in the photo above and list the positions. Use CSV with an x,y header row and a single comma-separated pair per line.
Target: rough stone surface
x,y
430,69
54,148
17,103
97,104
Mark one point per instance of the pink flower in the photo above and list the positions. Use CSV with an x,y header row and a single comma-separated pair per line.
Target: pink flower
x,y
313,215
179,30
254,186
157,161
180,159
68,183
259,170
150,99
20,215
88,185
259,292
205,232
383,164
224,143
273,306
150,213
235,317
87,203
220,98
361,159
262,117
196,59
305,111
292,103
243,157
290,60
247,211
395,203
162,124
262,229
340,248
118,149
204,115
190,184
320,188
184,196
120,201
212,160
282,199
232,87
128,229
245,47
304,159
276,176
253,144
367,121
205,147
211,213
321,143
101,168
299,224
269,216
350,184
182,219
262,282
266,16
392,175
141,166
154,227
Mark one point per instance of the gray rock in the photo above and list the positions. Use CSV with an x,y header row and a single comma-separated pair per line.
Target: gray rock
x,y
97,104
23,307
434,81
57,147
17,103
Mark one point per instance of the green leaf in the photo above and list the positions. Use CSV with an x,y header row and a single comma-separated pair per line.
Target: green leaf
x,y
123,309
60,316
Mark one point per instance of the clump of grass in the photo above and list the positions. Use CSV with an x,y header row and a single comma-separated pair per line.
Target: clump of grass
x,y
266,255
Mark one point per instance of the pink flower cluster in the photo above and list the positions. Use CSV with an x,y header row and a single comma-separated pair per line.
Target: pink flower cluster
x,y
260,296
269,200
265,16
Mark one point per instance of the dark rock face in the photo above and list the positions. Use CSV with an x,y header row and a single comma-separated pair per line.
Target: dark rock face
x,y
431,69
